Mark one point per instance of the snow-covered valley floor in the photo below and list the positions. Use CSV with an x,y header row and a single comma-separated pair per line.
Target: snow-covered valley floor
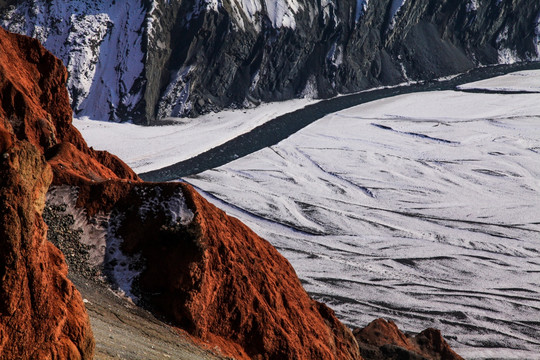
x,y
422,208
147,148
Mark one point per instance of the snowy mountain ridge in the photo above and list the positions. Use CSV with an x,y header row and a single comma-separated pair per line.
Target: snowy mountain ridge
x,y
145,60
100,44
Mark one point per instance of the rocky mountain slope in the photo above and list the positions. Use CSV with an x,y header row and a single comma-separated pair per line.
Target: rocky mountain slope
x,y
162,245
42,315
145,60
382,340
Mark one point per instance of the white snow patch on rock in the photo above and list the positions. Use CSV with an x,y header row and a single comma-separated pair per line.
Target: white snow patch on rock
x,y
537,33
94,231
508,56
310,91
394,9
249,10
505,54
174,101
472,6
100,43
281,12
122,269
361,6
174,207
178,210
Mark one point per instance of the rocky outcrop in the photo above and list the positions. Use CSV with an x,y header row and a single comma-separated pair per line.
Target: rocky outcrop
x,y
34,100
243,285
207,273
42,315
149,59
382,340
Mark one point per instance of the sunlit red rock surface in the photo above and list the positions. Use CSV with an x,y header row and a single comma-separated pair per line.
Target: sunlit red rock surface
x,y
42,315
245,285
34,99
382,339
213,277
222,283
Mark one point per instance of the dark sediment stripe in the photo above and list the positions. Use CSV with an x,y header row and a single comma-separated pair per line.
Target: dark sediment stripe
x,y
285,125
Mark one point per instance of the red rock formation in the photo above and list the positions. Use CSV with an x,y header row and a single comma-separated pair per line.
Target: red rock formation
x,y
42,315
223,283
382,339
218,280
34,99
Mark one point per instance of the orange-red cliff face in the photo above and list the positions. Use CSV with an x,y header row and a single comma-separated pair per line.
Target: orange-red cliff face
x,y
212,276
42,315
382,340
215,278
34,100
207,272
246,285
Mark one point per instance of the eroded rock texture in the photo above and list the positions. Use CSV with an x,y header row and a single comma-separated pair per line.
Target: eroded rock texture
x,y
42,315
212,276
382,340
35,102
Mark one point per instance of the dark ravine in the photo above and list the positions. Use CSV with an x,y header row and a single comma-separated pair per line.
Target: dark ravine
x,y
190,57
283,126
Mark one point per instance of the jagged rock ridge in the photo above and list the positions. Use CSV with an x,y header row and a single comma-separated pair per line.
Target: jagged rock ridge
x,y
145,60
42,315
382,340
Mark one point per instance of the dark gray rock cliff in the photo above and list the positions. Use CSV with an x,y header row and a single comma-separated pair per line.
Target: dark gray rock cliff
x,y
146,60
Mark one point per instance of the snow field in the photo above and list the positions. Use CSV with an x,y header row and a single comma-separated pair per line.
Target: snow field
x,y
422,208
148,148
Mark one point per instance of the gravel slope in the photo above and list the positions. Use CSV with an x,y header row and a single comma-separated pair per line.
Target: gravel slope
x,y
124,331
121,329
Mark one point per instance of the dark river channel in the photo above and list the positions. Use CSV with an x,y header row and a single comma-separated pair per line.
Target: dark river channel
x,y
285,125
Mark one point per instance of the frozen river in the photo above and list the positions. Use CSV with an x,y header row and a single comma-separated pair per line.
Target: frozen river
x,y
297,117
422,208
